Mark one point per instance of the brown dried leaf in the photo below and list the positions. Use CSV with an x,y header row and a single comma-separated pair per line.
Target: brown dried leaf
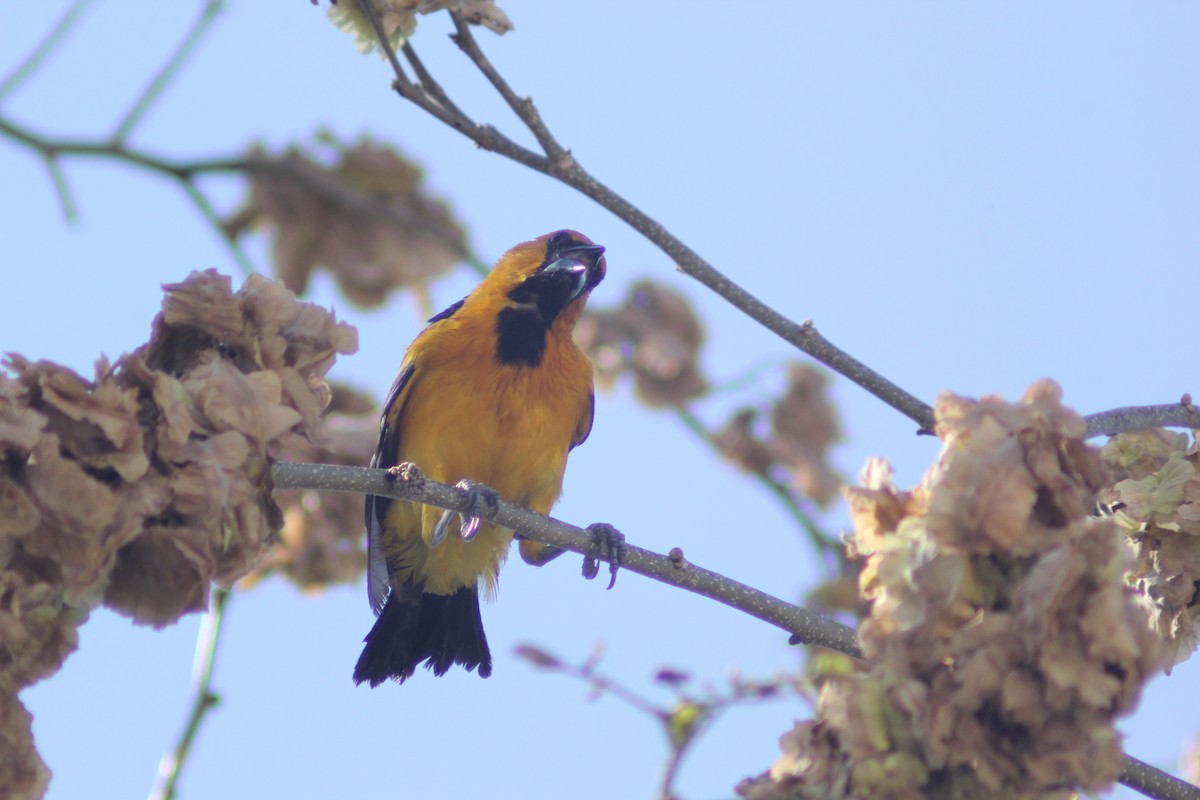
x,y
97,423
20,425
321,541
738,443
655,336
162,575
368,219
803,427
18,513
23,774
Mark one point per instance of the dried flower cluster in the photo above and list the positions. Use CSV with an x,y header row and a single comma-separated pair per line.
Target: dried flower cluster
x,y
655,336
1156,502
140,487
322,540
1003,641
399,18
804,427
367,218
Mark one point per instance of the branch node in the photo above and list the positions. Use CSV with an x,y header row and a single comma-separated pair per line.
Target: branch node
x,y
677,559
565,162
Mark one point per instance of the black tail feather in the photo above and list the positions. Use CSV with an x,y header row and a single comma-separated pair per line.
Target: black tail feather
x,y
440,630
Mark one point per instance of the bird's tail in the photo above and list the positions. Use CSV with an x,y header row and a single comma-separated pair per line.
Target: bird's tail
x,y
441,630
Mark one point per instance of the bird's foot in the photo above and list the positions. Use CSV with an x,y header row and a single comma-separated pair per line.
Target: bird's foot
x,y
484,500
610,546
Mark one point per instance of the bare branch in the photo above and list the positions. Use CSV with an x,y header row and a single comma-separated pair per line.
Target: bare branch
x,y
406,483
168,71
62,188
523,107
1153,782
821,541
203,699
1137,418
430,85
186,171
44,48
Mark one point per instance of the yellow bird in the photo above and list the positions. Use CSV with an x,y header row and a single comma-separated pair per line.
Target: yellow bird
x,y
493,391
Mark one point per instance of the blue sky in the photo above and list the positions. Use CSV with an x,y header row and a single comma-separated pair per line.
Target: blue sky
x,y
966,197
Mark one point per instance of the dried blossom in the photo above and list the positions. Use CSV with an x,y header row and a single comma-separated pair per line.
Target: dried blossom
x,y
1003,640
138,487
1156,502
23,774
740,443
322,541
655,336
804,427
796,448
399,18
367,218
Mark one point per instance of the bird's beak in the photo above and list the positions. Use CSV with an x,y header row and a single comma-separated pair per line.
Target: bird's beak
x,y
584,263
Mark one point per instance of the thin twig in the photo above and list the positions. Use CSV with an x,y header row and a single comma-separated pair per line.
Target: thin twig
x,y
818,538
203,698
681,725
62,188
44,48
186,171
523,107
485,136
428,83
407,484
206,209
168,71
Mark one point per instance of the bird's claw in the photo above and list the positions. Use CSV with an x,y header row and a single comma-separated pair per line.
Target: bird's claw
x,y
439,530
484,501
610,546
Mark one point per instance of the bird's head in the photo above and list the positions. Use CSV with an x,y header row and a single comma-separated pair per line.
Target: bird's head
x,y
549,274
537,290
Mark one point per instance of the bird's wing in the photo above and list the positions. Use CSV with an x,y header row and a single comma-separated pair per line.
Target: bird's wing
x,y
386,451
584,430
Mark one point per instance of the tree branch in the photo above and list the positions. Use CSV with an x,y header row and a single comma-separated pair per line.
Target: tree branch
x,y
523,107
44,48
203,699
1137,418
406,483
185,173
1153,782
168,71
821,541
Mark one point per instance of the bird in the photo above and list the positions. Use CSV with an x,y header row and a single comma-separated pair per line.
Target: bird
x,y
492,395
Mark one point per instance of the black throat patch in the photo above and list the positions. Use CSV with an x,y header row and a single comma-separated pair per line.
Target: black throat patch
x,y
520,337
